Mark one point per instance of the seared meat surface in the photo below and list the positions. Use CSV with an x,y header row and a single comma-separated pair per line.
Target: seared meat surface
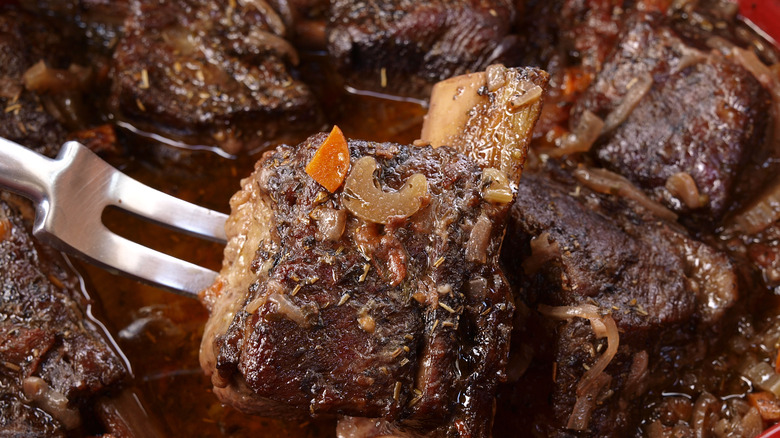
x,y
54,357
100,20
25,40
386,320
568,246
383,300
210,74
672,107
428,41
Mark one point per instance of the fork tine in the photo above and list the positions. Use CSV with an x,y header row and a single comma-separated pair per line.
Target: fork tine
x,y
130,195
71,193
115,253
70,218
148,203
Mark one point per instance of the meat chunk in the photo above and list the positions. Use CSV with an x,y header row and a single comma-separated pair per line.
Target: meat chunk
x,y
428,41
383,299
377,315
43,82
24,41
575,252
753,233
679,121
209,73
101,20
53,357
601,250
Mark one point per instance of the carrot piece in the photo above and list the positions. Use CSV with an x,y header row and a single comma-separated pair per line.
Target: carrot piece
x,y
767,404
330,163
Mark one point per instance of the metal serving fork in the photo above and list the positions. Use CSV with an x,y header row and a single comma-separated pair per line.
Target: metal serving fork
x,y
71,192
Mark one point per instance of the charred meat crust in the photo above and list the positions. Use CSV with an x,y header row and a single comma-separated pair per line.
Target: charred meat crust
x,y
703,114
44,331
605,251
387,321
202,72
428,41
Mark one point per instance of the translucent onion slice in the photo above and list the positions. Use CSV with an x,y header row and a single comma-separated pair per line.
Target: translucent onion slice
x,y
364,199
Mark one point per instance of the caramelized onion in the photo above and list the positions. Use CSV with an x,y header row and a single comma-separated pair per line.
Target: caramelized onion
x,y
288,309
604,181
760,213
603,326
496,77
752,424
586,402
640,87
498,190
366,200
705,405
275,43
763,376
476,247
582,138
330,223
759,70
690,56
681,185
42,79
542,251
720,44
272,19
51,401
525,97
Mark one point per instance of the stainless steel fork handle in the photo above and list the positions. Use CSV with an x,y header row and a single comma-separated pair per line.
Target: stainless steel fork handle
x,y
24,171
71,192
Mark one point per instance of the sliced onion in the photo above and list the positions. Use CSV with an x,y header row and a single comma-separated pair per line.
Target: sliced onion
x,y
759,70
479,238
681,185
277,44
604,181
529,96
288,309
752,424
640,87
330,223
690,56
272,19
498,190
705,405
582,138
761,213
603,326
542,251
365,200
763,376
720,44
51,401
42,79
586,402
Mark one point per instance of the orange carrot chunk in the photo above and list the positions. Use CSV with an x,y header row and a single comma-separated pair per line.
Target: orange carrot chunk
x,y
330,163
767,405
